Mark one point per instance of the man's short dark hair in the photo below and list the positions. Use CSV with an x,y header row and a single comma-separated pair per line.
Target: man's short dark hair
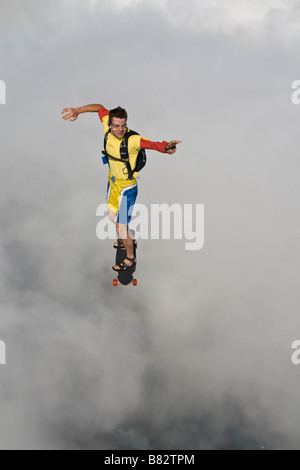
x,y
118,112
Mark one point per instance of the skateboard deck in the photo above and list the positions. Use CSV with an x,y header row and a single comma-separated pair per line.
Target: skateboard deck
x,y
126,277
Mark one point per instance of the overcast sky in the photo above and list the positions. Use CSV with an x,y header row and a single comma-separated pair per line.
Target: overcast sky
x,y
199,354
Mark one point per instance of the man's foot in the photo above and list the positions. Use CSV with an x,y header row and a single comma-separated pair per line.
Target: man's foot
x,y
124,265
119,244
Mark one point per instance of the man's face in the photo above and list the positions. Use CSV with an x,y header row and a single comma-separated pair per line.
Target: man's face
x,y
118,127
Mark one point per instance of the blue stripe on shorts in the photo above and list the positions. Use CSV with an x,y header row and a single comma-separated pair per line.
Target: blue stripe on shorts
x,y
126,204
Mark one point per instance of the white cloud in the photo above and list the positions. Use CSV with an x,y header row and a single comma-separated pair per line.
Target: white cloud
x,y
253,18
122,4
218,16
203,335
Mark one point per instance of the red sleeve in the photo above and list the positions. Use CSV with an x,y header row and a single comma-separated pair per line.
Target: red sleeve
x,y
148,145
102,113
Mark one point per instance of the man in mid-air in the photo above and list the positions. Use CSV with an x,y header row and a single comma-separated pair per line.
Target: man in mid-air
x,y
122,185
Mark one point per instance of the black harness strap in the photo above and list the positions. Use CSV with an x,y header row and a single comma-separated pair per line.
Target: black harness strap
x,y
123,153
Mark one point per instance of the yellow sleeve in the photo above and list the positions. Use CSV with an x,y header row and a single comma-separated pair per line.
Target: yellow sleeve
x,y
105,124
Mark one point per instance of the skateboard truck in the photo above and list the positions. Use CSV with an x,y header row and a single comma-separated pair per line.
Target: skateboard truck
x,y
116,282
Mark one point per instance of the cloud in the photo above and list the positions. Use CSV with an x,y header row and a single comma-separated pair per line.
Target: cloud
x,y
208,16
230,18
197,356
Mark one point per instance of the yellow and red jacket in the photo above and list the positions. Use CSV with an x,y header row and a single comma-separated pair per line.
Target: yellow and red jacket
x,y
135,144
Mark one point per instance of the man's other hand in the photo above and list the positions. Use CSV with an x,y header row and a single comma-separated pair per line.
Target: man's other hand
x,y
70,113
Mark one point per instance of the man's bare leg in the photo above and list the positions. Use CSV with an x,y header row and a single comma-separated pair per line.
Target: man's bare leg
x,y
122,230
125,235
113,218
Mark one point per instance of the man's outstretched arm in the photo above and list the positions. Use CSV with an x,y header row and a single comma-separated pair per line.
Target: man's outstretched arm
x,y
163,147
73,113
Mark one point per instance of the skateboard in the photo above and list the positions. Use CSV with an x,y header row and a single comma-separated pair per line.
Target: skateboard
x,y
126,277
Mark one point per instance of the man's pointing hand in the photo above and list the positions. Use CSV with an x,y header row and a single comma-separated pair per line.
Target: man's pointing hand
x,y
171,146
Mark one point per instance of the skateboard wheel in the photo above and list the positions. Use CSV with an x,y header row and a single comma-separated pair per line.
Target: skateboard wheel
x,y
116,282
134,282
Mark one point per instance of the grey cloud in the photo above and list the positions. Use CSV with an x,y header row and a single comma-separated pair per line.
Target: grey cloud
x,y
198,355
